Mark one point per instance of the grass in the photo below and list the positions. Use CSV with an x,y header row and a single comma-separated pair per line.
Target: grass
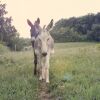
x,y
16,77
74,73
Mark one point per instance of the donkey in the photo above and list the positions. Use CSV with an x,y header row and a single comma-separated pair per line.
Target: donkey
x,y
35,30
44,47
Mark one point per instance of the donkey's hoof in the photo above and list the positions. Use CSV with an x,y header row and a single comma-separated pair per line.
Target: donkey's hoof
x,y
47,81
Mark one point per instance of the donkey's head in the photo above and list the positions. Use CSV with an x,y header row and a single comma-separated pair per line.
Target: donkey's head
x,y
44,41
35,28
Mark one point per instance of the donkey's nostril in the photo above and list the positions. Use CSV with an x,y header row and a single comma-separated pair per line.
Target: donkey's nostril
x,y
44,54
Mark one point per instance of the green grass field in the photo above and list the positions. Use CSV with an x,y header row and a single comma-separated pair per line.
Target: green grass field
x,y
74,73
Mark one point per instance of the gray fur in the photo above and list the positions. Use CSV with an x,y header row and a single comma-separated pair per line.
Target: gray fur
x,y
44,44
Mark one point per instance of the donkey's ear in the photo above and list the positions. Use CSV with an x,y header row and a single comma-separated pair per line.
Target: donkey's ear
x,y
50,25
38,20
29,23
44,27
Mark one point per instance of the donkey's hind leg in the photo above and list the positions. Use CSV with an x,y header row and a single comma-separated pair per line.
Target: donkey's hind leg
x,y
35,59
35,64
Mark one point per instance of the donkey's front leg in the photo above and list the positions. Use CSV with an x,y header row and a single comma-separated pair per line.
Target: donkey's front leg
x,y
40,75
47,69
47,75
43,72
39,67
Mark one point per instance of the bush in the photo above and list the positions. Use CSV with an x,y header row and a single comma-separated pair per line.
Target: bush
x,y
3,48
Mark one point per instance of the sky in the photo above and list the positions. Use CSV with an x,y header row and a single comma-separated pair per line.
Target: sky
x,y
21,10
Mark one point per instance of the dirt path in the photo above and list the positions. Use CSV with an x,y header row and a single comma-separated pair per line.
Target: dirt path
x,y
44,92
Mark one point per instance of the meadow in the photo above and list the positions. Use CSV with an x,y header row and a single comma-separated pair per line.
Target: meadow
x,y
74,73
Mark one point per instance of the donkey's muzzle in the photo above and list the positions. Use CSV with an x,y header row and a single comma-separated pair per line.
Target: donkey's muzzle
x,y
44,54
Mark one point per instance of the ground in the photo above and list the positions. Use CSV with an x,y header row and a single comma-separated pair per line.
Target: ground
x,y
74,74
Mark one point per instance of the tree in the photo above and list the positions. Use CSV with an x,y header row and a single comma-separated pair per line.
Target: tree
x,y
84,28
94,34
8,32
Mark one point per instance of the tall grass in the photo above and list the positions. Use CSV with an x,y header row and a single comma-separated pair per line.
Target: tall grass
x,y
74,73
17,81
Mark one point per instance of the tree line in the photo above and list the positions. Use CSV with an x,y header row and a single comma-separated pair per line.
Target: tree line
x,y
74,29
84,28
8,33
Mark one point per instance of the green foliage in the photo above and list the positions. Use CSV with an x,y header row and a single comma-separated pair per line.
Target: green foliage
x,y
18,44
85,28
8,32
3,48
94,34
